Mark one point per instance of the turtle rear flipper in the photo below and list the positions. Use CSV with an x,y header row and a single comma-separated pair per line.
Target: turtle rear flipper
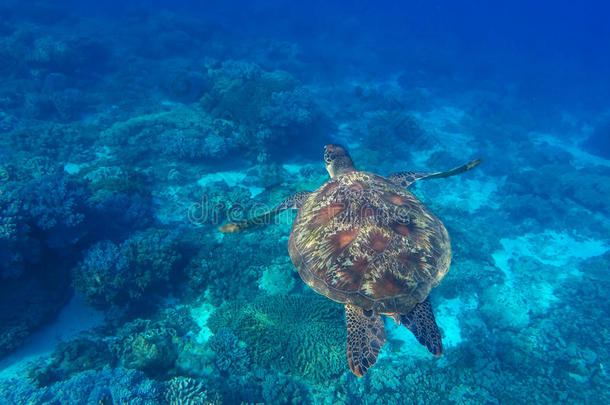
x,y
365,337
292,202
420,321
406,178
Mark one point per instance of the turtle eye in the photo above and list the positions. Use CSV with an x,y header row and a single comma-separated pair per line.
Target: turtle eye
x,y
333,152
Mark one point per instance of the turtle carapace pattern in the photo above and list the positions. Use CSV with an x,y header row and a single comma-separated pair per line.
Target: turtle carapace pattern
x,y
367,242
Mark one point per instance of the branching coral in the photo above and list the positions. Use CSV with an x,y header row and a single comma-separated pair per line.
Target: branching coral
x,y
231,355
292,108
242,89
38,217
49,140
230,273
106,386
111,274
13,234
100,276
285,390
272,109
53,203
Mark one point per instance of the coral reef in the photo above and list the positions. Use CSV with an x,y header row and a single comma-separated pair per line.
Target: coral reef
x,y
188,391
104,386
271,107
242,89
149,346
231,356
42,218
71,358
285,390
153,351
113,275
229,273
153,346
130,132
220,202
45,212
28,302
184,132
304,335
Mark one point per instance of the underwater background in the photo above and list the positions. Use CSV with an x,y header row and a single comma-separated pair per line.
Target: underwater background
x,y
129,131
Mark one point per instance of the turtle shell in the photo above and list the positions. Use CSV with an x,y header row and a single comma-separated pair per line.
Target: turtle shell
x,y
362,240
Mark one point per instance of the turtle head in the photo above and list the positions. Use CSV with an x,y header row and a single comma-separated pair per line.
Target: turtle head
x,y
337,160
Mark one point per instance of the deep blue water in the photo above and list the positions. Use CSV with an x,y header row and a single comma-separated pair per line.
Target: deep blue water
x,y
130,131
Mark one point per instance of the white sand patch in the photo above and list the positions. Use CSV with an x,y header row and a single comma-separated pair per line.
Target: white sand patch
x,y
104,152
502,261
231,178
218,236
72,168
472,194
168,103
409,345
74,318
445,126
254,191
544,297
558,248
558,252
548,247
442,117
582,159
174,205
292,169
506,307
420,158
201,314
447,313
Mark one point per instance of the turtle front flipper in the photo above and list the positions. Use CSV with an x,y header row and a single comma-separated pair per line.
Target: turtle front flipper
x,y
293,202
421,322
406,178
365,337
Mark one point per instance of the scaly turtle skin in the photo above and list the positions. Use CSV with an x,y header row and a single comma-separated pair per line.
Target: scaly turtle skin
x,y
368,243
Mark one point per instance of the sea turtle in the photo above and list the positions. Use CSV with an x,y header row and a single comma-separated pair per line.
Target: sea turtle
x,y
365,241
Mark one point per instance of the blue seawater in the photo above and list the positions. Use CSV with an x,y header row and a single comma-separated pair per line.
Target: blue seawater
x,y
131,131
